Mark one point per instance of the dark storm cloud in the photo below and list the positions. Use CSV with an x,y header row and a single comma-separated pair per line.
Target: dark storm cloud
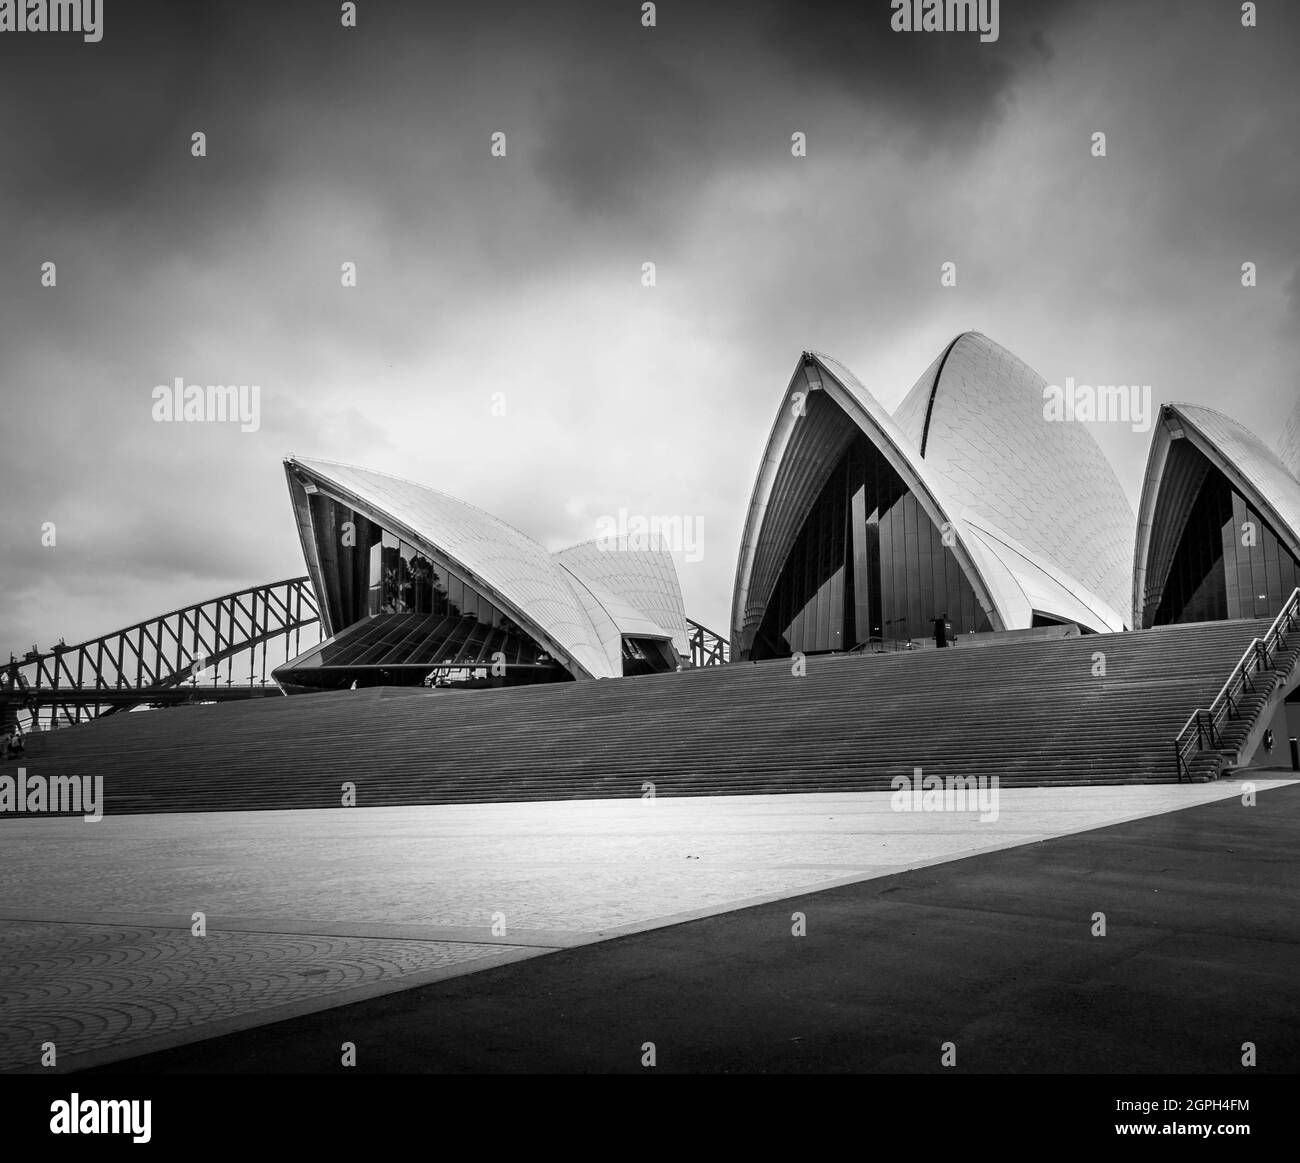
x,y
616,142
634,118
521,275
101,123
938,89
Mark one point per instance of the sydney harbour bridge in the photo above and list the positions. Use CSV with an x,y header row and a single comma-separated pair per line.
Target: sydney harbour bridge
x,y
216,650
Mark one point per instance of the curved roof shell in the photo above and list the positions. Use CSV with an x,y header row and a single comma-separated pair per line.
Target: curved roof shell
x,y
1288,443
977,417
1040,521
1170,486
579,624
802,450
644,581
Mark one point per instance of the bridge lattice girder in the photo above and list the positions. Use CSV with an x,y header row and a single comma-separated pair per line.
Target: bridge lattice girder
x,y
150,661
708,648
157,656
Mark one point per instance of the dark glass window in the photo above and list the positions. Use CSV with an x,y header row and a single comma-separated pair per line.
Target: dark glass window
x,y
867,565
423,615
438,581
376,592
422,584
405,580
1228,564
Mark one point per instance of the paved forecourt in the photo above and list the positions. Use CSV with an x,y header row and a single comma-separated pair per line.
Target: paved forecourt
x,y
304,911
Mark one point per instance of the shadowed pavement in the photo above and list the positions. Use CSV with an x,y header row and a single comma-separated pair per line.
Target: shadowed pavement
x,y
994,953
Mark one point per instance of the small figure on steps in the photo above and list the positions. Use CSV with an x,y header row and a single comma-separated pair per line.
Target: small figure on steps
x,y
941,630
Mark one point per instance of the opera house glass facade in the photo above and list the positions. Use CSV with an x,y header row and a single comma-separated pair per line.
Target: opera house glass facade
x,y
1229,563
868,566
408,617
416,587
1218,530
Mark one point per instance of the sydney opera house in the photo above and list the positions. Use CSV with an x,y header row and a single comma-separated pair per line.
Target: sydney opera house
x,y
417,587
972,515
968,511
865,528
456,665
970,506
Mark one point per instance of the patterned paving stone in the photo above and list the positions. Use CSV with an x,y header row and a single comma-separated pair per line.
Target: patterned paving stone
x,y
89,987
95,947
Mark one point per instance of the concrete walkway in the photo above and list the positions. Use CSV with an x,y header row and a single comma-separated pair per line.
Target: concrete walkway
x,y
306,911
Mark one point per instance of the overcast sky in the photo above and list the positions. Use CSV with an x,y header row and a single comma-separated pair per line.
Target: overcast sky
x,y
522,275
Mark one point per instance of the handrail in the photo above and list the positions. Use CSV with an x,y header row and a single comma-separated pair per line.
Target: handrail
x,y
1260,652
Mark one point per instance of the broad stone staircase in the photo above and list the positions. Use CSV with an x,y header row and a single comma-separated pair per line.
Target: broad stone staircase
x,y
1095,709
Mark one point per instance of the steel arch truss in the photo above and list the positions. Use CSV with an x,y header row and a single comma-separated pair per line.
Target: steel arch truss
x,y
707,648
170,658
